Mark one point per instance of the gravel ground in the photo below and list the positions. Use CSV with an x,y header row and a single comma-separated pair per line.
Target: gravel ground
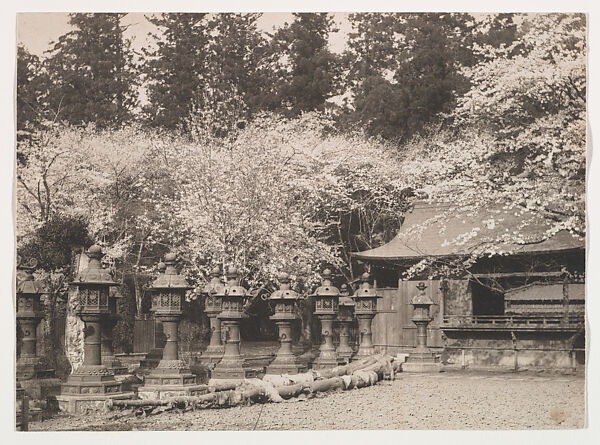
x,y
448,400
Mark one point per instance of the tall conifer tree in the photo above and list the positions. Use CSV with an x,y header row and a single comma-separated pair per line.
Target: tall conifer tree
x,y
92,72
175,70
312,74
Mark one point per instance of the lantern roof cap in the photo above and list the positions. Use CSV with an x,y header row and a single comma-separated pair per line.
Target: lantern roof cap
x,y
366,290
170,279
94,273
327,289
285,291
233,287
214,285
26,284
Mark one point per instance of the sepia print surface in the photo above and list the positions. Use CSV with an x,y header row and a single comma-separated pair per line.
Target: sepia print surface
x,y
300,221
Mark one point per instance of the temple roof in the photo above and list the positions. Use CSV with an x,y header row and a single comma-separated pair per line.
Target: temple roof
x,y
425,233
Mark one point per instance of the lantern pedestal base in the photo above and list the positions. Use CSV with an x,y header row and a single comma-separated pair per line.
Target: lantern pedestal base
x,y
89,388
364,353
325,361
421,362
287,364
344,355
235,373
148,392
91,379
171,378
83,403
235,369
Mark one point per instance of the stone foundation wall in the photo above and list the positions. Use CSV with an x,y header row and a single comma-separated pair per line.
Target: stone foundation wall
x,y
497,351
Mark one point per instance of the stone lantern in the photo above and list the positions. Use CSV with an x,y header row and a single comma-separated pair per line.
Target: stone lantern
x,y
365,309
38,381
108,324
284,300
171,377
326,299
93,384
213,292
232,365
345,318
421,359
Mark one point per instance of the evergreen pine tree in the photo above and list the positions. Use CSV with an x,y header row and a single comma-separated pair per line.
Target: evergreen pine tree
x,y
313,71
176,70
92,73
32,86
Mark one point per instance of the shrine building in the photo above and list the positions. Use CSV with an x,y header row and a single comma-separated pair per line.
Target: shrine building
x,y
520,306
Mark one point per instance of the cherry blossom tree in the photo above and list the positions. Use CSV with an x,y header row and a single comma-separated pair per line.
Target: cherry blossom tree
x,y
519,135
278,196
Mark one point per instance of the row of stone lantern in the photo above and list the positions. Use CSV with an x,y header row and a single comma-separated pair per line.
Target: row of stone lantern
x,y
224,307
172,377
331,303
233,297
93,383
212,306
284,301
33,375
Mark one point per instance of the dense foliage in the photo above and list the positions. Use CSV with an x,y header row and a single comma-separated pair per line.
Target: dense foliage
x,y
270,152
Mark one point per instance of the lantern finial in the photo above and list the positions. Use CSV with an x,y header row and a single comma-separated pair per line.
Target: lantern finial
x,y
95,251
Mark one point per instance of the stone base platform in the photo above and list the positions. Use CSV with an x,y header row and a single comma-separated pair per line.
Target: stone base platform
x,y
421,367
236,373
321,363
422,362
81,404
240,368
286,364
285,369
245,369
149,392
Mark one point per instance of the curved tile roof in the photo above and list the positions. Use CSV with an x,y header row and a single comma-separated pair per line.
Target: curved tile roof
x,y
425,233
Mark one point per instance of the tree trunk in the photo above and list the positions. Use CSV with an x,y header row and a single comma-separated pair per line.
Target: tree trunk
x,y
364,373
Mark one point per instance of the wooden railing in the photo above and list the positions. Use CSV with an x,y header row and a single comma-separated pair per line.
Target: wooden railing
x,y
533,321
